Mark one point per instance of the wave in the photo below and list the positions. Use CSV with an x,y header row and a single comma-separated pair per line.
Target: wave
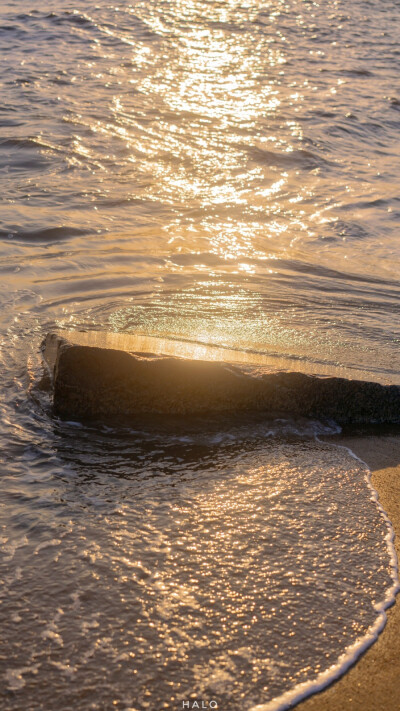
x,y
49,234
357,72
26,142
342,227
72,16
296,158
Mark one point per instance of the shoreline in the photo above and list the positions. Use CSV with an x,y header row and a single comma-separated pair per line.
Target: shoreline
x,y
373,682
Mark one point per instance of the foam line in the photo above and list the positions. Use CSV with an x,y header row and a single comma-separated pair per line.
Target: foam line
x,y
351,654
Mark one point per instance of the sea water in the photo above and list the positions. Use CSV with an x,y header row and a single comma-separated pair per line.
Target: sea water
x,y
227,173
242,564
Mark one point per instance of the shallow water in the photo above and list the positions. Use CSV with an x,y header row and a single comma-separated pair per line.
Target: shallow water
x,y
142,569
226,173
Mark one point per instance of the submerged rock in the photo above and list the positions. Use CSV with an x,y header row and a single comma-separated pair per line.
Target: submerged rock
x,y
100,376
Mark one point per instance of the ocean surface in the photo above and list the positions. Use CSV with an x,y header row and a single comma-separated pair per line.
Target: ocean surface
x,y
225,173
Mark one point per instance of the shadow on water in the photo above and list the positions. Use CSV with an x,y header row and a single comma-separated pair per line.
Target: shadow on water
x,y
169,444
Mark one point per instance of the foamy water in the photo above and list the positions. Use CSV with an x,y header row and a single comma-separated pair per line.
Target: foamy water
x,y
225,173
241,563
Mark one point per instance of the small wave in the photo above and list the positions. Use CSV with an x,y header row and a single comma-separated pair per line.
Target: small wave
x,y
394,102
9,28
23,81
22,142
324,114
304,159
357,72
321,271
70,16
24,16
7,122
50,234
369,204
230,430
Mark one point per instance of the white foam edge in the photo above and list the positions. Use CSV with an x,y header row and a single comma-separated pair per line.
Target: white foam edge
x,y
300,692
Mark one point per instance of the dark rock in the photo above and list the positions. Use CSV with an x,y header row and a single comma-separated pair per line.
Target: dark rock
x,y
116,378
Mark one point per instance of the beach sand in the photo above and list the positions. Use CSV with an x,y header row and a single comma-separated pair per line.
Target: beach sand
x,y
373,683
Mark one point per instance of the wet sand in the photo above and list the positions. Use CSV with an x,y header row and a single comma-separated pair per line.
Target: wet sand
x,y
373,683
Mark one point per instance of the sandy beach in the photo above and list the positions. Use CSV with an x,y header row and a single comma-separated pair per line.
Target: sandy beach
x,y
373,683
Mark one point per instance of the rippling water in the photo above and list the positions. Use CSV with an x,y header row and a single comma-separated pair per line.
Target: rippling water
x,y
217,170
225,172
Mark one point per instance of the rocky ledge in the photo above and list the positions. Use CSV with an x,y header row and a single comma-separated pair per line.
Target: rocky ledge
x,y
100,376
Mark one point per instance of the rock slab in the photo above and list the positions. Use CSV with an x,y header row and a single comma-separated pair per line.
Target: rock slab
x,y
117,378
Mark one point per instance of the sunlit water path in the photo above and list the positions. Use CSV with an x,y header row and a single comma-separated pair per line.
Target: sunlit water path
x,y
227,173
